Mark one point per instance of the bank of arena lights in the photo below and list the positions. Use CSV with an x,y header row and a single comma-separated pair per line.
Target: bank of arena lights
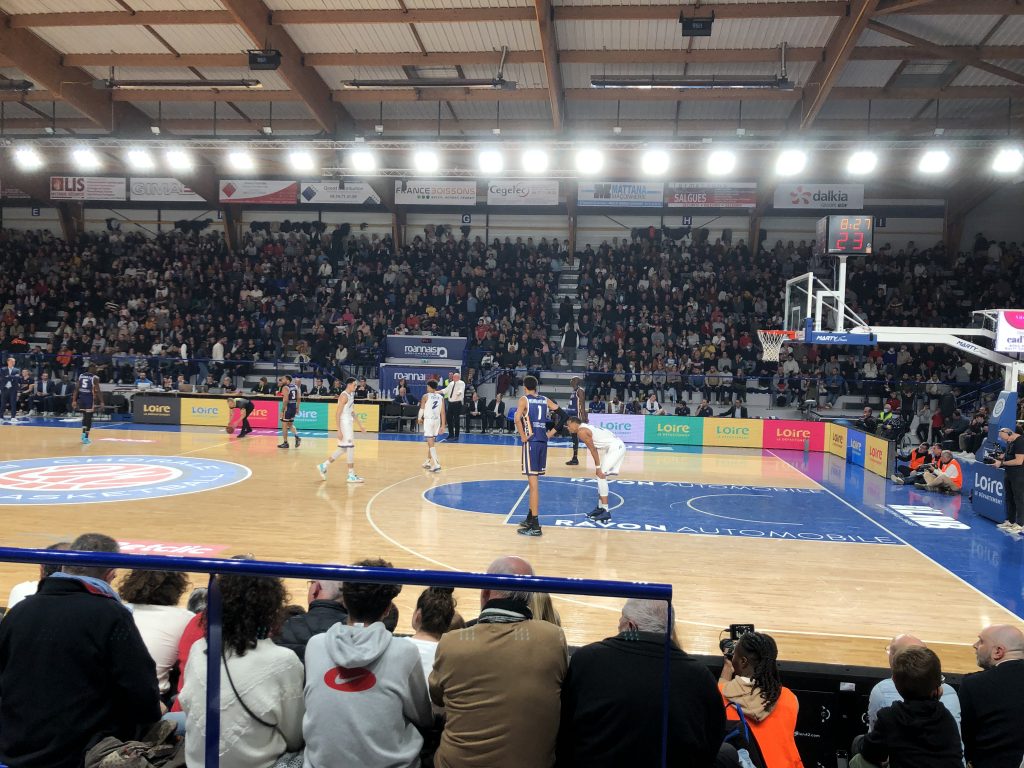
x,y
721,162
363,160
241,160
490,161
934,161
1008,160
426,161
302,161
862,162
535,160
178,160
85,159
140,160
791,162
589,161
655,162
28,159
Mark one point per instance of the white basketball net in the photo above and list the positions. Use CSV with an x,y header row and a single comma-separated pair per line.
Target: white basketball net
x,y
771,344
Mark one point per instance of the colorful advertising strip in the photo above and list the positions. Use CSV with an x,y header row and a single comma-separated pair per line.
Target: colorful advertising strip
x,y
205,411
837,440
794,435
710,194
734,433
320,415
673,430
629,429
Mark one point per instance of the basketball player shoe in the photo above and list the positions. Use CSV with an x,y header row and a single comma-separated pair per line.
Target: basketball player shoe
x,y
298,441
572,462
599,514
322,469
530,526
354,478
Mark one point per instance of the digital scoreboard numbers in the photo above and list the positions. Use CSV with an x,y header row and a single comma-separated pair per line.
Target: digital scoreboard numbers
x,y
847,235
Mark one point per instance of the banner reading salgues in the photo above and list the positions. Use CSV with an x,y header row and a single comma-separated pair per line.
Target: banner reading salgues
x,y
620,194
522,192
338,193
840,197
262,191
710,194
161,190
444,192
87,188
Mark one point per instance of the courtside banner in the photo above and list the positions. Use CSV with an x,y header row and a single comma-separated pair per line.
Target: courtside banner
x,y
876,457
735,433
443,192
629,429
522,192
266,414
1004,414
88,188
427,348
837,440
792,435
313,415
811,197
675,430
260,191
152,409
620,194
988,486
856,447
161,190
415,377
338,193
205,411
368,415
710,194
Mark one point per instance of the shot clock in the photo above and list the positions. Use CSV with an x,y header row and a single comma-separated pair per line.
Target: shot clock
x,y
846,235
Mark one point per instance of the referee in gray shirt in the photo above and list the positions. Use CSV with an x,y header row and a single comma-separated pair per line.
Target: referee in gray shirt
x,y
454,393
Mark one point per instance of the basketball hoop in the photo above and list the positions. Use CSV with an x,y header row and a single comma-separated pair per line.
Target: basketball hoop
x,y
771,343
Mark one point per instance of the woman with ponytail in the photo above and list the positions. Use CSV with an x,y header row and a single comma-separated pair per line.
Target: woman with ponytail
x,y
751,687
435,609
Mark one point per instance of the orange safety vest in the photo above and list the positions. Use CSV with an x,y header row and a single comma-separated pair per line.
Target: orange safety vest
x,y
958,481
776,733
916,459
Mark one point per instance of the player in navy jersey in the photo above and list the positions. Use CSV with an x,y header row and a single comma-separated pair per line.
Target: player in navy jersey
x,y
291,396
86,398
532,424
578,408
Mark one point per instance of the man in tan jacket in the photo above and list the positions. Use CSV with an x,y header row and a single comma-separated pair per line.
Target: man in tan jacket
x,y
500,682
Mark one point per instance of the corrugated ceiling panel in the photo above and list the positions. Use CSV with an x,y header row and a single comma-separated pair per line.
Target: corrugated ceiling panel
x,y
100,39
417,4
664,34
512,110
524,75
1011,33
945,30
687,3
335,76
353,38
709,110
766,110
578,75
58,6
333,5
12,73
972,76
272,81
844,109
176,5
978,108
871,38
192,38
867,74
480,36
260,110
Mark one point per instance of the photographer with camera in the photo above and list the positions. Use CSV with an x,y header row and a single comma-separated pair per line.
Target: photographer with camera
x,y
914,472
751,689
1012,462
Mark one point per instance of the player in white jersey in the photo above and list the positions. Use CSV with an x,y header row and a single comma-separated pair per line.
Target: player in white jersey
x,y
346,435
433,419
608,452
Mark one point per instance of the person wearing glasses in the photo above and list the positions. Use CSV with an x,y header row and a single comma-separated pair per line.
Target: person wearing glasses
x,y
1013,463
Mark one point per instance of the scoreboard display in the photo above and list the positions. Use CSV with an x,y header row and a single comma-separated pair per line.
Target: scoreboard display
x,y
846,235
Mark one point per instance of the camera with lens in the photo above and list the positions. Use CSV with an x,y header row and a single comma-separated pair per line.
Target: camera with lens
x,y
728,644
993,456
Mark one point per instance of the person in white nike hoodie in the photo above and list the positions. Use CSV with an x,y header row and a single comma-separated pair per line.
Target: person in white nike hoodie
x,y
366,697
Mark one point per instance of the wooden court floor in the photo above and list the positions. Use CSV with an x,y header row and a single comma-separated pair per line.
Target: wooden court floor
x,y
823,601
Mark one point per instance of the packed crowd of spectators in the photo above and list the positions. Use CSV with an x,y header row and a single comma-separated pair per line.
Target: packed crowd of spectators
x,y
331,683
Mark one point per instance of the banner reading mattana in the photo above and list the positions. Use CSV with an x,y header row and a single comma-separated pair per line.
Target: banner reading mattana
x,y
709,194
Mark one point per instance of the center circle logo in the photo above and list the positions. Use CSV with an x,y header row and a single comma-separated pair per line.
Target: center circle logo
x,y
95,479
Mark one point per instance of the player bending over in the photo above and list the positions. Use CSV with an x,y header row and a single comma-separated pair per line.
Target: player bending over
x,y
531,424
346,434
608,452
291,396
432,417
86,397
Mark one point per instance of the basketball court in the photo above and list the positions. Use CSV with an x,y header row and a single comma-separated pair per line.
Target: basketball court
x,y
831,559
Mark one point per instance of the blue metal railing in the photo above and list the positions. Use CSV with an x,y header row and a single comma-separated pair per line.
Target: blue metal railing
x,y
214,566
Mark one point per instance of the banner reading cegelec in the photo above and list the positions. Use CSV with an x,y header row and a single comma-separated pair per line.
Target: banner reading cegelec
x,y
735,433
629,429
674,430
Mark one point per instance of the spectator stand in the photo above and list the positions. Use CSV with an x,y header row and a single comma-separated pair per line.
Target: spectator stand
x,y
553,585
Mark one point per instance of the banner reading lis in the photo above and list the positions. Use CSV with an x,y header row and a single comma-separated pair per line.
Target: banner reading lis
x,y
674,430
149,409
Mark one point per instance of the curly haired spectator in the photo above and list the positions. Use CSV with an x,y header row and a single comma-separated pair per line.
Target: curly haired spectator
x,y
154,597
435,611
261,703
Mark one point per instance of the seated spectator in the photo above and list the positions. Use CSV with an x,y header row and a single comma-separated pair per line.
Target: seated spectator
x,y
991,701
704,410
543,609
652,407
435,610
325,610
612,698
402,396
494,415
263,387
867,422
154,598
261,705
916,731
735,411
952,429
25,589
500,683
378,728
750,682
475,410
973,436
912,463
885,693
76,636
945,476
682,408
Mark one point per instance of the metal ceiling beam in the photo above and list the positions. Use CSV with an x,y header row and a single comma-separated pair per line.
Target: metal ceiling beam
x,y
41,63
837,52
549,47
967,58
899,6
748,10
254,17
